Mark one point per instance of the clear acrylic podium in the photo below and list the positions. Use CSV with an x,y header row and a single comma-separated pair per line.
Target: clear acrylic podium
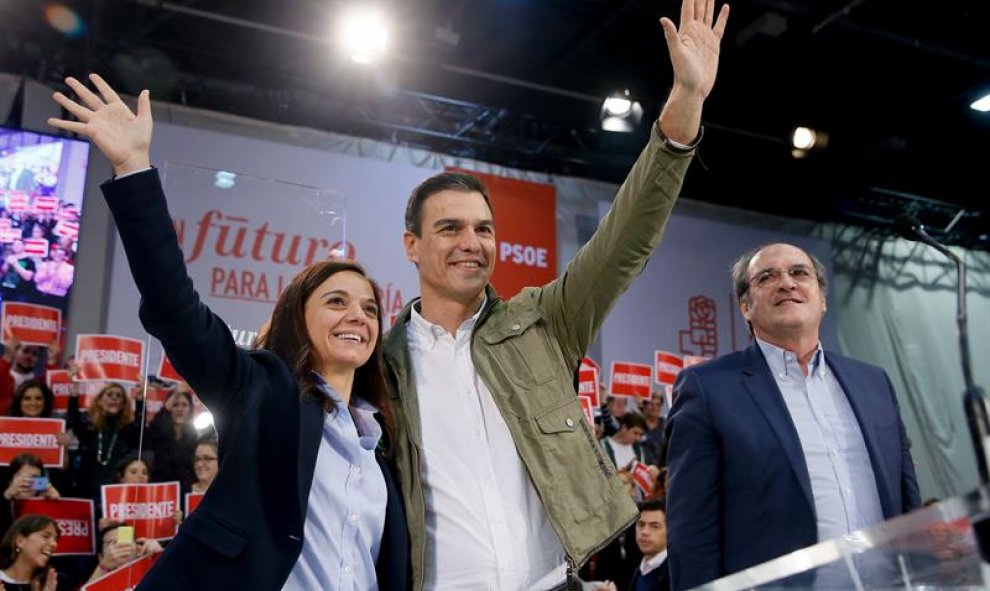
x,y
931,548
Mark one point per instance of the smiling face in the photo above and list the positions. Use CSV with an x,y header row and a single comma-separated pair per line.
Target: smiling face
x,y
789,306
342,323
135,473
206,463
38,547
455,251
32,403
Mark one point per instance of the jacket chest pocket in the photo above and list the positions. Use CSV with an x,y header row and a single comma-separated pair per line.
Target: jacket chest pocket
x,y
520,351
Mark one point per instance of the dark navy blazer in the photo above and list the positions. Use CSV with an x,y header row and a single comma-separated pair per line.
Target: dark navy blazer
x,y
739,491
248,531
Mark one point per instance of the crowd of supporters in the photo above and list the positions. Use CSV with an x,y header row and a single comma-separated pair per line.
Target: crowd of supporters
x,y
109,439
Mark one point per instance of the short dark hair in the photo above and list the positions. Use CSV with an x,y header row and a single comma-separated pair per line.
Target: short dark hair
x,y
121,468
25,460
46,395
445,181
631,420
740,270
654,505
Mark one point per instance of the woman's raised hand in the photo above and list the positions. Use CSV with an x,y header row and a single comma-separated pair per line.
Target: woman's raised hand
x,y
123,136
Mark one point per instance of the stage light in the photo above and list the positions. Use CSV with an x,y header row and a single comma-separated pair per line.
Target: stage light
x,y
203,420
364,35
620,113
982,104
805,139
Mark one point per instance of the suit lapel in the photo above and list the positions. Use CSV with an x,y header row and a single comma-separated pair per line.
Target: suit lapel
x,y
311,416
861,398
759,382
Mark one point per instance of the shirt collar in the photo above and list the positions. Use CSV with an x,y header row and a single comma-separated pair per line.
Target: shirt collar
x,y
362,411
650,565
781,360
425,329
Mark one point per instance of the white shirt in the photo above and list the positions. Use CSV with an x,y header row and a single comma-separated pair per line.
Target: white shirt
x,y
651,564
624,453
485,525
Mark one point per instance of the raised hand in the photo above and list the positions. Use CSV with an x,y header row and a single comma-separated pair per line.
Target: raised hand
x,y
123,136
694,47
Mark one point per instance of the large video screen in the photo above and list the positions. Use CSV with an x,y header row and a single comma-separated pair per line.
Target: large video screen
x,y
42,179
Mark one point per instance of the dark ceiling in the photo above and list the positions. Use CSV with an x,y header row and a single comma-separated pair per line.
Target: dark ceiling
x,y
517,82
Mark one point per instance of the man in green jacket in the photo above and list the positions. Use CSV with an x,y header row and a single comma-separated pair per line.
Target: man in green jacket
x,y
505,485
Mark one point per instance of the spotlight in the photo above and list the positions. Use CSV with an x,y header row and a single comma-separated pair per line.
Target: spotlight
x,y
982,104
805,139
620,113
364,35
203,420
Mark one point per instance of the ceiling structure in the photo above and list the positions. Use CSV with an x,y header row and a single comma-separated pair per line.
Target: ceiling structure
x,y
520,83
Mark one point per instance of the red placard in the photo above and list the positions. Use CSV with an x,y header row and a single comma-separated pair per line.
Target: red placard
x,y
193,499
74,518
588,408
642,477
8,235
31,324
36,247
104,357
60,383
690,360
667,366
167,372
31,436
68,229
45,204
150,508
589,362
17,201
124,578
630,379
588,384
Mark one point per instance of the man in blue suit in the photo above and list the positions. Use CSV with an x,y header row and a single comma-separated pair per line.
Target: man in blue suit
x,y
781,445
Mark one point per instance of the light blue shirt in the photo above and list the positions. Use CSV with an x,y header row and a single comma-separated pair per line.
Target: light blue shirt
x,y
842,479
345,515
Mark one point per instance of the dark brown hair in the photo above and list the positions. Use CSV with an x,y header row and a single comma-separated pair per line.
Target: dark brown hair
x,y
445,181
25,525
46,394
286,336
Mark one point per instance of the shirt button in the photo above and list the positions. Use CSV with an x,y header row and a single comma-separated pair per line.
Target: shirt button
x,y
354,517
516,327
347,569
569,422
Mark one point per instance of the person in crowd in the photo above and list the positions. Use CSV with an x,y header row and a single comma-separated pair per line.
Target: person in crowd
x,y
114,554
782,438
22,361
651,539
32,399
614,409
655,438
54,277
17,273
206,463
485,387
626,447
25,550
310,391
172,438
133,470
109,435
27,478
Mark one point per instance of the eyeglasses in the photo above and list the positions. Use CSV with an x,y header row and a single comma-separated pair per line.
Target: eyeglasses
x,y
768,277
205,459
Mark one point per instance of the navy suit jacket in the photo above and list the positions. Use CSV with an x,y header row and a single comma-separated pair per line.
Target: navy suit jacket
x,y
739,491
248,531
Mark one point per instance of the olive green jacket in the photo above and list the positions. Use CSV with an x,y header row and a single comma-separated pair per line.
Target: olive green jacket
x,y
527,350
